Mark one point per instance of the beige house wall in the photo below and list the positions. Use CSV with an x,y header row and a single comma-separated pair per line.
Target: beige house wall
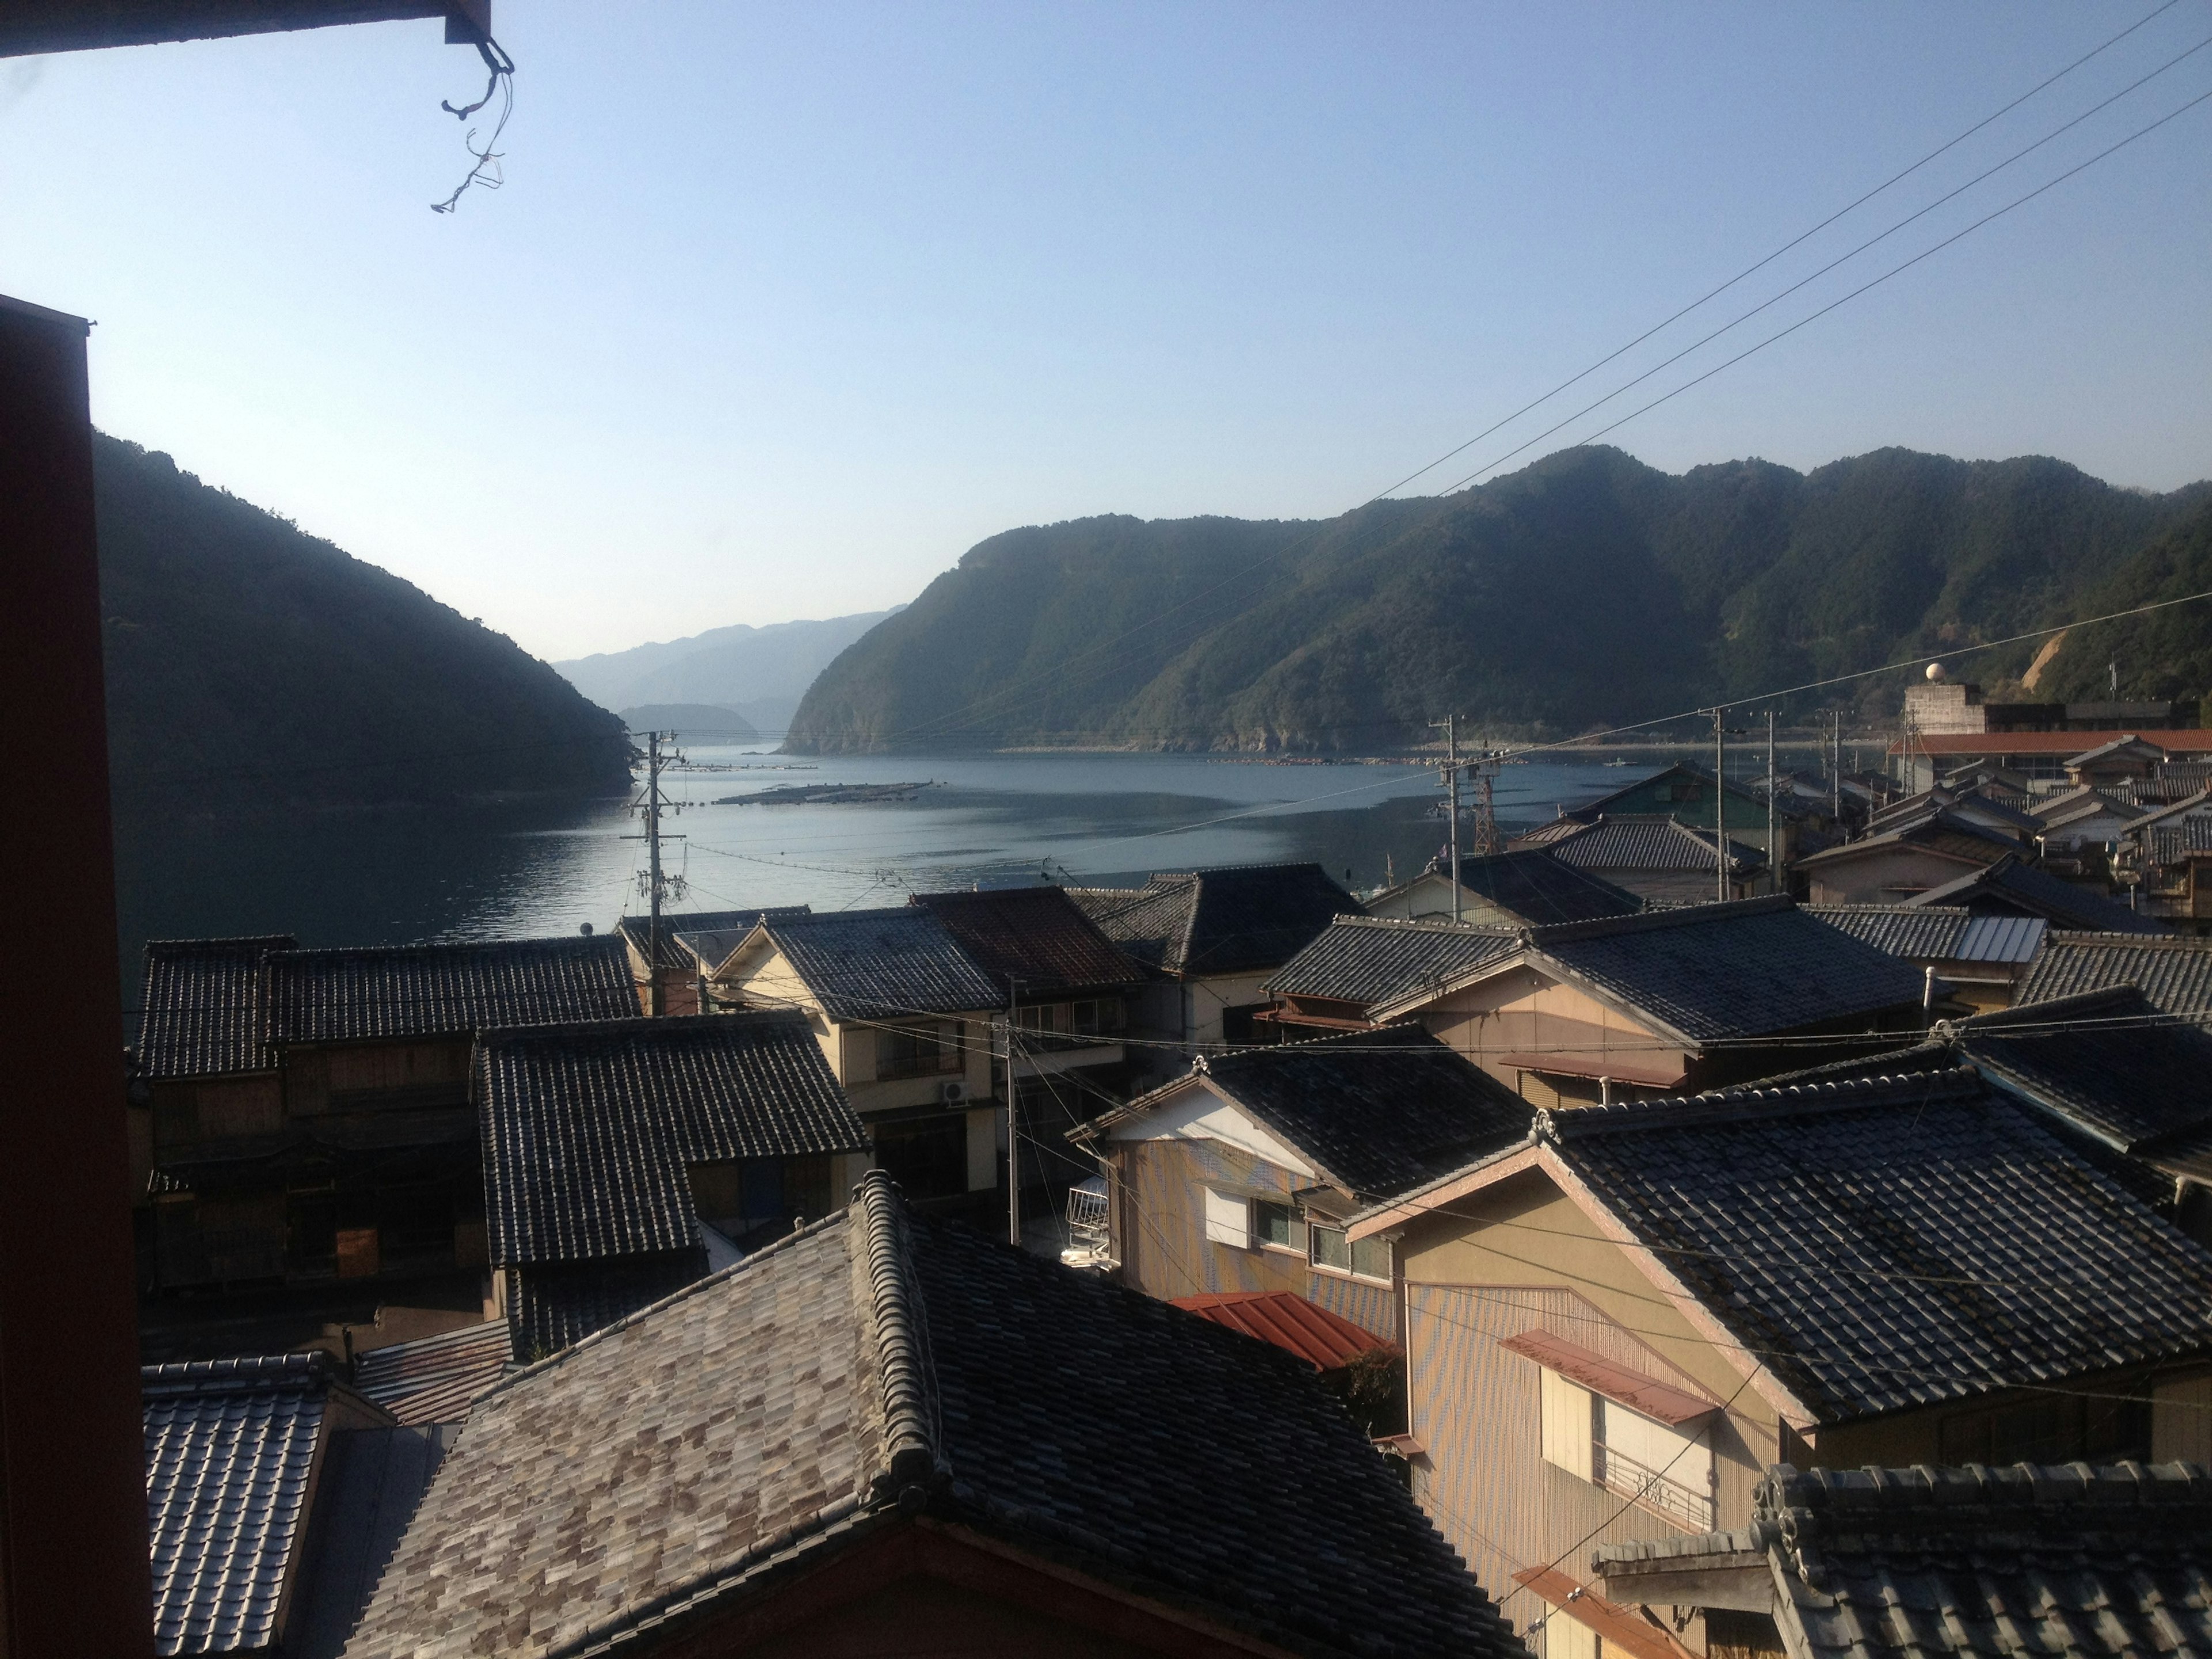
x,y
1523,1011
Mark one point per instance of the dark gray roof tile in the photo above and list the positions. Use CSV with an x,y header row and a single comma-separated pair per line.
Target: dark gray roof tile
x,y
1537,888
1369,959
205,1004
1232,920
1647,842
446,990
637,931
878,1366
2174,973
1037,935
1882,1243
2107,1062
879,964
589,1130
2022,889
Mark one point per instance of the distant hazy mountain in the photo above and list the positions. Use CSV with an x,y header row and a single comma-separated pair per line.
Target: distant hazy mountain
x,y
761,672
695,721
1584,591
251,664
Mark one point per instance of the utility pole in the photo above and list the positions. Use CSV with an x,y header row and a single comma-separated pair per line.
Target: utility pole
x,y
1773,857
1836,772
1450,724
656,885
1014,1123
1720,801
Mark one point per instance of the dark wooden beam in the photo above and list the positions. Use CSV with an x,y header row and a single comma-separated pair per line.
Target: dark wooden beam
x,y
74,1577
31,27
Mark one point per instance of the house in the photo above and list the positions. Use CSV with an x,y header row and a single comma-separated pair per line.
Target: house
x,y
1973,804
310,1116
1614,1328
2042,755
1980,961
2175,973
622,1158
675,968
2165,860
2124,760
1507,889
1656,859
2083,823
1071,988
1360,962
1892,865
906,1020
1685,793
1209,938
883,1433
2014,887
1238,1175
1664,1001
274,1492
1898,1563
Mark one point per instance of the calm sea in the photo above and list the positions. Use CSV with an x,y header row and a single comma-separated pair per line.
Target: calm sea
x,y
385,877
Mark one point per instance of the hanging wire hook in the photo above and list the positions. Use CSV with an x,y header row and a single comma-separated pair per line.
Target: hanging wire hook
x,y
487,170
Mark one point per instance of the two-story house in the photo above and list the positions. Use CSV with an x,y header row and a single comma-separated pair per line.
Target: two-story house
x,y
1239,1175
906,1022
1589,1011
675,967
310,1115
625,1158
1614,1328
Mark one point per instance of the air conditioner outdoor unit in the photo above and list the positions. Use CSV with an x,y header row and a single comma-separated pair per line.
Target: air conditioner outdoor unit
x,y
952,1094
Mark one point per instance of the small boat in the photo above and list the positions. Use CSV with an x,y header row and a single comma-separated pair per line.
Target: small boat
x,y
1618,760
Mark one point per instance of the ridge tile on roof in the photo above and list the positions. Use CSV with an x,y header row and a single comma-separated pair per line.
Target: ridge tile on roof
x,y
365,993
878,1366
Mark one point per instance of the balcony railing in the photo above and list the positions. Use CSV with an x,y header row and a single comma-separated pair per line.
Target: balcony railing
x,y
1617,1472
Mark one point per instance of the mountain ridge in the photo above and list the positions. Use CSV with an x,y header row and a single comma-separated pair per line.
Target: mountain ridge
x,y
1583,591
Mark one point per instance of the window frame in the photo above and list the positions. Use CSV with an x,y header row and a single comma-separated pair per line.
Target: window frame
x,y
1315,1230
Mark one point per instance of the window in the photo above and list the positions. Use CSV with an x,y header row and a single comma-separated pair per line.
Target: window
x,y
927,1155
1328,1247
1610,1445
1228,1220
917,1050
1106,1016
1275,1227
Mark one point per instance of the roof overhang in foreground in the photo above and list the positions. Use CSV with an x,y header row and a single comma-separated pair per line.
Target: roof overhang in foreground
x,y
33,26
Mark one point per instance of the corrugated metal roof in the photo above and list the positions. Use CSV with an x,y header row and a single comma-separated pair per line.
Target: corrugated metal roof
x,y
432,1379
229,1447
1323,1340
1609,1377
2001,939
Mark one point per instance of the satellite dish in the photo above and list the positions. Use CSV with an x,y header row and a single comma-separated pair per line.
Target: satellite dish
x,y
1936,673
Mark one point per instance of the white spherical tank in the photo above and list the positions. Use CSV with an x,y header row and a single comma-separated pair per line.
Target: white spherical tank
x,y
1936,673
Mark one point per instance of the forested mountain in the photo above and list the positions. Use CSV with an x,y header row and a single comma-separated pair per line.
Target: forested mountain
x,y
1584,591
251,664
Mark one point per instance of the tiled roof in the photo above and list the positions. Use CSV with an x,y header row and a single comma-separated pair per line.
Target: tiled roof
x,y
1885,1242
1740,970
446,990
637,931
2030,1559
1377,1111
880,964
2171,843
1232,920
1372,959
203,1005
1034,934
1292,1322
2174,973
556,1304
1929,933
1537,888
877,1370
2011,885
589,1130
1938,831
1641,842
2104,1061
371,1483
229,1447
432,1379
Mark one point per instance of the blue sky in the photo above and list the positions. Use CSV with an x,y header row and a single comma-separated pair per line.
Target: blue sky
x,y
782,309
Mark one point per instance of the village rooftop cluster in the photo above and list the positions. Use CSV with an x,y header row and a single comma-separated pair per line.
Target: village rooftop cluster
x,y
1616,1267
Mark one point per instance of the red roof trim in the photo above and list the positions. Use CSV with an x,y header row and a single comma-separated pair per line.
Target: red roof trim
x,y
1609,1377
1323,1340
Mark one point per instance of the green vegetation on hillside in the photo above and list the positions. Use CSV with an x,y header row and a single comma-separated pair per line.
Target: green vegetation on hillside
x,y
1584,591
251,665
